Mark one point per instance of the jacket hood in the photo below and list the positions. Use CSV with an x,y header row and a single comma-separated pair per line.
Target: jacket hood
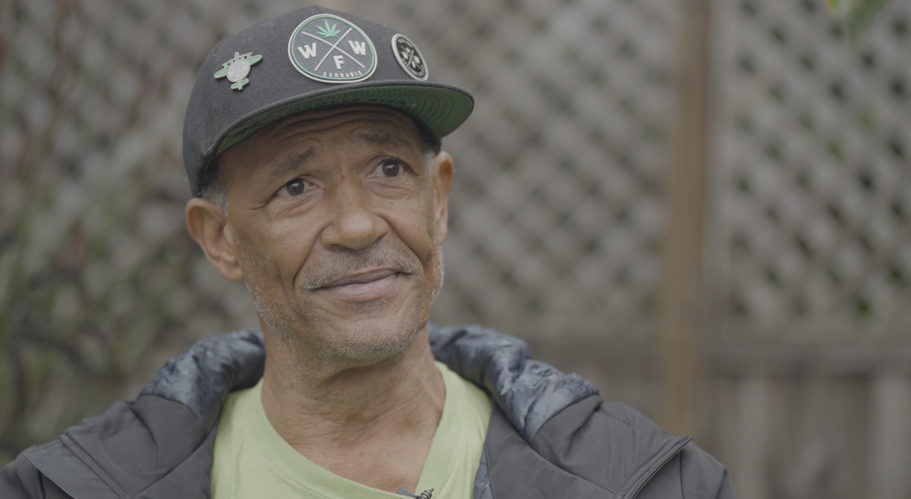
x,y
529,392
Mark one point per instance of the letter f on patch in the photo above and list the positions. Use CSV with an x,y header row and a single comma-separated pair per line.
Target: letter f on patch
x,y
339,60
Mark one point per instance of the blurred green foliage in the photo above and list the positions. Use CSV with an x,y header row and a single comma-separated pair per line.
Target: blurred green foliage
x,y
858,14
99,282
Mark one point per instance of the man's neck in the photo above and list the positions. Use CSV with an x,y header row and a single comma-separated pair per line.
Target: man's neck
x,y
370,424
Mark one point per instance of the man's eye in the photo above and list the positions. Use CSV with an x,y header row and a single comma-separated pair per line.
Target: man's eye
x,y
388,168
295,187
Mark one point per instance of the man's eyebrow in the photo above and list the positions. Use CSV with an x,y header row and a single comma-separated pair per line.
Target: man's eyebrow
x,y
382,138
281,169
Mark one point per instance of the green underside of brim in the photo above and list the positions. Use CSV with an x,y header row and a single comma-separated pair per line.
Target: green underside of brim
x,y
441,109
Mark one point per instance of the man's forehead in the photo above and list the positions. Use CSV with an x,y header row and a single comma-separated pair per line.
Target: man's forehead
x,y
296,140
371,124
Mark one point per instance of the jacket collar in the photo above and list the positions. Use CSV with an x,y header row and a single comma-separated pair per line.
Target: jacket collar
x,y
528,392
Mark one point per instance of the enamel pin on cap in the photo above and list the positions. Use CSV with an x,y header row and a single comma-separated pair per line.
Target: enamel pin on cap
x,y
330,49
238,68
409,57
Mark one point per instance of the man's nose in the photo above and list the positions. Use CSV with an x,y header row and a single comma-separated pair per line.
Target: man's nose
x,y
354,225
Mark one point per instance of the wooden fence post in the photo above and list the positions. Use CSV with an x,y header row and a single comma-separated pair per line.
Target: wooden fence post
x,y
683,292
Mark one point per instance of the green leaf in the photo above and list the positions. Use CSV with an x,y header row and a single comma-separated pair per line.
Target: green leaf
x,y
329,31
862,15
839,8
857,14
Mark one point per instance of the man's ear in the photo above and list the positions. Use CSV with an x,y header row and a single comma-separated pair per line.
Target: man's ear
x,y
443,169
208,225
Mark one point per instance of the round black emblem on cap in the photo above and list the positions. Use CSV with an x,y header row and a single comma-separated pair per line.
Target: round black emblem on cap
x,y
409,57
330,49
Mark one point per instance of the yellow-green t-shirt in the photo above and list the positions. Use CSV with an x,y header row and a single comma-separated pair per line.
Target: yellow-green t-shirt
x,y
252,460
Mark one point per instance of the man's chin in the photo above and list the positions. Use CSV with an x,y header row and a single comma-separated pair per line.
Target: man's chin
x,y
360,325
364,344
350,337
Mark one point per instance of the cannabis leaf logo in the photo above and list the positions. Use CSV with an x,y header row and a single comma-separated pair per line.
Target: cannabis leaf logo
x,y
329,32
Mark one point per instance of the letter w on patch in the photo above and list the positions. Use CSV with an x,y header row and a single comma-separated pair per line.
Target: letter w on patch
x,y
359,48
308,51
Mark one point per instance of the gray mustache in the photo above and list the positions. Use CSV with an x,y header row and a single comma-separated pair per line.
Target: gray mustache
x,y
347,262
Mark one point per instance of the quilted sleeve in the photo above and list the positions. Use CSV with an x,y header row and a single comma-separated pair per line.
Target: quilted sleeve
x,y
21,480
691,474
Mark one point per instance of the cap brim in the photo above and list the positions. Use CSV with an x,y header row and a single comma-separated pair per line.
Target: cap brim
x,y
442,108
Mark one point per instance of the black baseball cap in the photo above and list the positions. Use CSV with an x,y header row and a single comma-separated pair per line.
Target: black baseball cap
x,y
308,59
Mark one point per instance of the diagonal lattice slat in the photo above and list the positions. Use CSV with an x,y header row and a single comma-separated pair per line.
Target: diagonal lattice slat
x,y
814,185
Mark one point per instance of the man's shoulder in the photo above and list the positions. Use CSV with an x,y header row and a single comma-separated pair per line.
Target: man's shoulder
x,y
20,479
617,448
558,425
141,446
170,425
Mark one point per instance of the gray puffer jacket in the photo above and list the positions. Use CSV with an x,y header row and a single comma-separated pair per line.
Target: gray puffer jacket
x,y
550,435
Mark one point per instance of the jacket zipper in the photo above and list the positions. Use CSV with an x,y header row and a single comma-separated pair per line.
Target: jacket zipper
x,y
655,469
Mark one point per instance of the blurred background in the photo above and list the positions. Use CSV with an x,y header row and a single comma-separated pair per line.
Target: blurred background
x,y
703,207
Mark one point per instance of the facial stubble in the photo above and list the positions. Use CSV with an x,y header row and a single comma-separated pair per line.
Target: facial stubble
x,y
313,339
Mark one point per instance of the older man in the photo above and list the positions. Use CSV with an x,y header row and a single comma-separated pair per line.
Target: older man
x,y
312,146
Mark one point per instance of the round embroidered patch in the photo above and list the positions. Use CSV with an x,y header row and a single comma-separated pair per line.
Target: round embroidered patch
x,y
330,49
409,57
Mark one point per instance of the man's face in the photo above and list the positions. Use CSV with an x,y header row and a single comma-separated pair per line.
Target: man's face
x,y
338,216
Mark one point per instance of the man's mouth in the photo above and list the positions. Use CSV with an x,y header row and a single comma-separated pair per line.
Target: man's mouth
x,y
362,286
